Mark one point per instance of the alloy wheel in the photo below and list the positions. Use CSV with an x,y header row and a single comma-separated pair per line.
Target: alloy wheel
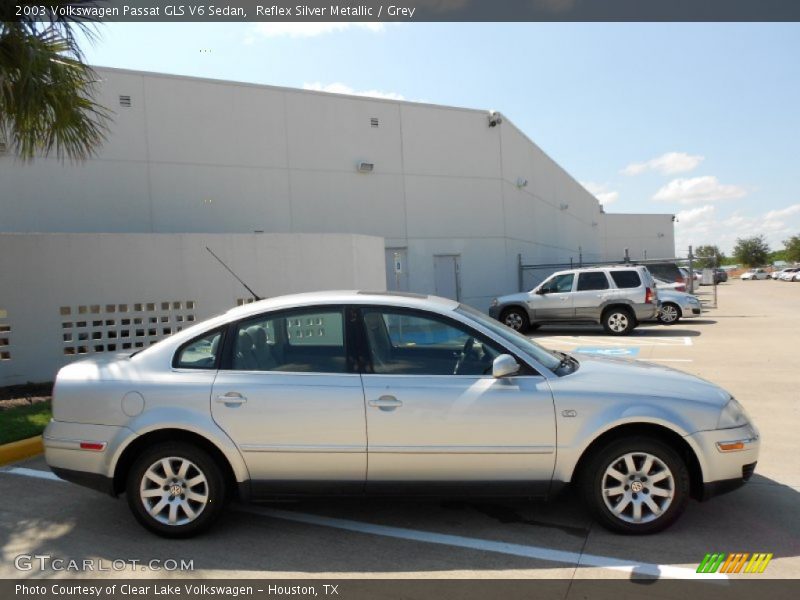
x,y
638,487
174,491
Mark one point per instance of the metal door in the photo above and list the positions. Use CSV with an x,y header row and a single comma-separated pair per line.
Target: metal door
x,y
447,276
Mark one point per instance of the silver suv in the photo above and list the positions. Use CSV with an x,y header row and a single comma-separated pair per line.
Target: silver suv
x,y
616,297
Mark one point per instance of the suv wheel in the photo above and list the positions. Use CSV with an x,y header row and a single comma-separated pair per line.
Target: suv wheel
x,y
175,489
636,485
669,314
516,318
618,321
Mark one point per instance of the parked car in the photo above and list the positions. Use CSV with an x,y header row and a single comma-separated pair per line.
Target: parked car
x,y
274,399
796,276
755,274
667,271
777,274
788,274
720,276
617,297
666,285
674,305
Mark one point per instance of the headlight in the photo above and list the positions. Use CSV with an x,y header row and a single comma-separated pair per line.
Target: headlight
x,y
733,415
494,302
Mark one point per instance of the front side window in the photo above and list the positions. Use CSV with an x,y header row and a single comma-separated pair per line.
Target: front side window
x,y
402,343
595,280
308,341
559,284
201,353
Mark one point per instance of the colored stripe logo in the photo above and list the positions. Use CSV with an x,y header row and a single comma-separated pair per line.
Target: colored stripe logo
x,y
738,562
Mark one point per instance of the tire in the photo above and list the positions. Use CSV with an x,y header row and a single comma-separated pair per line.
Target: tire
x,y
655,511
618,321
516,318
195,493
669,314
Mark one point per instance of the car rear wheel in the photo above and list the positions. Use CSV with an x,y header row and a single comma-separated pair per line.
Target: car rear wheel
x,y
669,313
175,490
618,321
516,318
636,486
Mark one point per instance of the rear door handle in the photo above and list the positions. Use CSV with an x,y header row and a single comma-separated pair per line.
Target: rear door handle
x,y
232,398
386,403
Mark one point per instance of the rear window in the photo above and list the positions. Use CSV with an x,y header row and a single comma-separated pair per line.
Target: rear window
x,y
666,271
592,281
626,279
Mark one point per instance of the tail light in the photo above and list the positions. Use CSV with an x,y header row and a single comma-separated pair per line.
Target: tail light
x,y
648,296
680,287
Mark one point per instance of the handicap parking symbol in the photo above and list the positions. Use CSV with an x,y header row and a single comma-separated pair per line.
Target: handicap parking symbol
x,y
609,350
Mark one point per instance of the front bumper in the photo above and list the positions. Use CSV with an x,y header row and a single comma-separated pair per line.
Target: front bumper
x,y
494,312
726,470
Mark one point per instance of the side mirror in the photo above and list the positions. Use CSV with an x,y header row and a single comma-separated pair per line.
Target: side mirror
x,y
504,365
541,291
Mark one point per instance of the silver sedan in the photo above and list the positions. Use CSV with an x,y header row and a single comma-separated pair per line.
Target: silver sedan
x,y
674,306
274,399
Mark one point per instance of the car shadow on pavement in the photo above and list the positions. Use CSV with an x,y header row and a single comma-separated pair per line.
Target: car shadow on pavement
x,y
68,522
645,330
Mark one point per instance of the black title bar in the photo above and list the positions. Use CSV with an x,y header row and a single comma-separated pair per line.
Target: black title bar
x,y
402,10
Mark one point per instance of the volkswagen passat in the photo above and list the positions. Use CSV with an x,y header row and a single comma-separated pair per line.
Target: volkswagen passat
x,y
339,393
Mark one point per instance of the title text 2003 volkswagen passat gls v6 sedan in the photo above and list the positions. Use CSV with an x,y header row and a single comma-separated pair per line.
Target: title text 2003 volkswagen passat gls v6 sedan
x,y
371,393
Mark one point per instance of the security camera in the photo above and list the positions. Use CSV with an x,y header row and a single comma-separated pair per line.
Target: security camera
x,y
494,118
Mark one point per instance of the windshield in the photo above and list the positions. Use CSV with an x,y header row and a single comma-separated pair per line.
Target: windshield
x,y
547,358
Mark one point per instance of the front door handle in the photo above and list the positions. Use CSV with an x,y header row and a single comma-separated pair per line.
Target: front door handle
x,y
386,403
232,398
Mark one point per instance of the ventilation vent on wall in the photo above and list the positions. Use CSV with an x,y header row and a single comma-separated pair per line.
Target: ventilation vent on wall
x,y
125,101
374,122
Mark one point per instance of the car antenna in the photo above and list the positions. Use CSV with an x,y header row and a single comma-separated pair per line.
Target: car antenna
x,y
247,287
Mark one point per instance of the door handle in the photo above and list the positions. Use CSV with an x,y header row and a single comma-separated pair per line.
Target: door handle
x,y
386,403
232,398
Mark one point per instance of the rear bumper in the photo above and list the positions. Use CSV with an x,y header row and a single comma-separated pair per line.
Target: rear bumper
x,y
95,481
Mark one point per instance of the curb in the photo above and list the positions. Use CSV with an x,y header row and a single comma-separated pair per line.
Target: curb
x,y
22,449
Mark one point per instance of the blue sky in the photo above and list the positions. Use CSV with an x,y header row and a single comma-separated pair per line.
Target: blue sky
x,y
701,120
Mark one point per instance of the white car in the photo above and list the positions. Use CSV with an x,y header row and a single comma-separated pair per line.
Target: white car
x,y
667,285
796,276
295,396
788,274
777,274
674,305
755,274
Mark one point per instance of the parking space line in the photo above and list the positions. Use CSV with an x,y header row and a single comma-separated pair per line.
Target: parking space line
x,y
638,341
665,359
535,552
578,559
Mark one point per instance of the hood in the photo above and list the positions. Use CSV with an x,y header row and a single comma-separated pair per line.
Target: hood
x,y
629,377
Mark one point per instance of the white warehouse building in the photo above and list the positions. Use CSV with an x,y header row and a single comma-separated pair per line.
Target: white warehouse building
x,y
456,195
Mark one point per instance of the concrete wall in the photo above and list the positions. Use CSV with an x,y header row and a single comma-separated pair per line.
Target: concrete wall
x,y
645,236
194,155
108,288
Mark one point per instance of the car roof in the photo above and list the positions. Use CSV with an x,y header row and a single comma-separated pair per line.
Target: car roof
x,y
599,268
401,299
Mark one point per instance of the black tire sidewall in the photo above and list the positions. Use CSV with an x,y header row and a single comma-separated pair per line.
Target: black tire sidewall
x,y
592,476
677,317
209,467
613,311
525,320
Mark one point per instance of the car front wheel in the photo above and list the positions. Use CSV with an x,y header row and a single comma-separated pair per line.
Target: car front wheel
x,y
636,486
669,314
516,318
175,489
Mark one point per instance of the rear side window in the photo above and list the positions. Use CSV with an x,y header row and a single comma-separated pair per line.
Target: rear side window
x,y
200,353
626,279
592,281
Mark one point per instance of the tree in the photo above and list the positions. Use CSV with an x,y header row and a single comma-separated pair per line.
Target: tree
x,y
709,257
751,252
45,88
792,249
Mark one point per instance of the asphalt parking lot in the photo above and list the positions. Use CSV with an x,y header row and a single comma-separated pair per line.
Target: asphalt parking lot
x,y
749,345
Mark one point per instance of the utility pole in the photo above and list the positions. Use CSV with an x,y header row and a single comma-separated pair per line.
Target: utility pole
x,y
691,271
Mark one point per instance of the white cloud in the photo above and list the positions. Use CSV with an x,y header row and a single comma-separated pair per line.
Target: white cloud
x,y
343,88
600,191
305,30
698,189
666,164
702,225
